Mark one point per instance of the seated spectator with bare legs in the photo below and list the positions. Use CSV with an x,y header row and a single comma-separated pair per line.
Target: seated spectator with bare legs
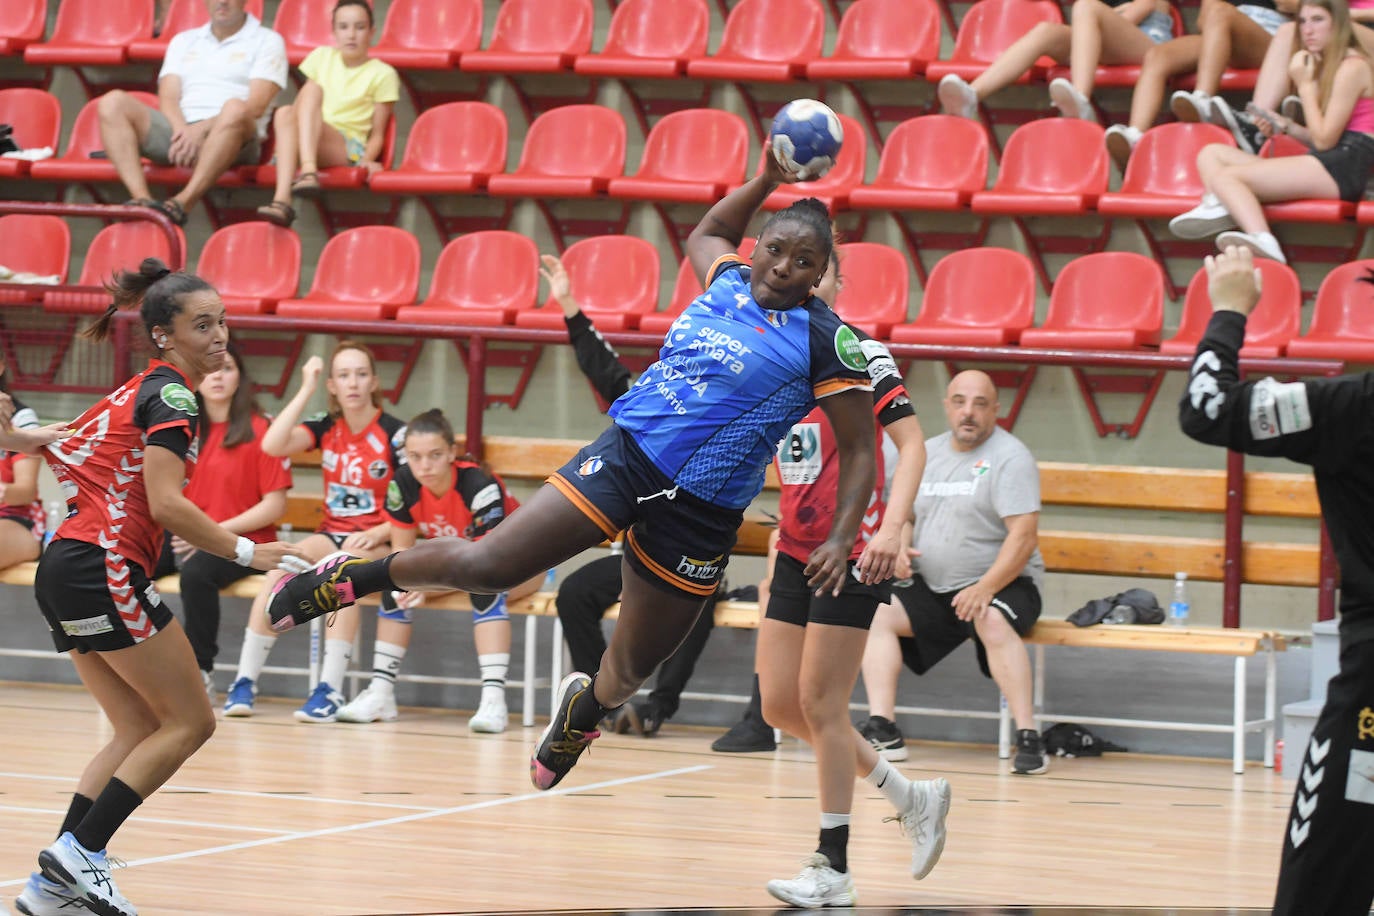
x,y
21,511
214,90
1230,34
976,571
339,116
1111,32
1335,81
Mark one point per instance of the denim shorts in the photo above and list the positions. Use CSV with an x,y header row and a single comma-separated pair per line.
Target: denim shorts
x,y
1265,17
1158,27
1350,161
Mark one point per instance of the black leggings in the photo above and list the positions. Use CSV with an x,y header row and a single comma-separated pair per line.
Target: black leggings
x,y
202,577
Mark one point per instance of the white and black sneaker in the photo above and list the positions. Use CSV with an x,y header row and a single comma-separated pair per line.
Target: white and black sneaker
x,y
85,875
1248,136
818,885
41,897
1031,758
885,737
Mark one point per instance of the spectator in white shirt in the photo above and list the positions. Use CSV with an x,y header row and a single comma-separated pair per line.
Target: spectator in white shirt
x,y
214,90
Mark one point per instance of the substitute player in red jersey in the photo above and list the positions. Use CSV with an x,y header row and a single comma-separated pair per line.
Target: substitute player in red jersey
x,y
811,642
359,447
122,473
439,493
21,511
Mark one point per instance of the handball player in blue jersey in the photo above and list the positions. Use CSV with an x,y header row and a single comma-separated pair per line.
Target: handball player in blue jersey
x,y
687,452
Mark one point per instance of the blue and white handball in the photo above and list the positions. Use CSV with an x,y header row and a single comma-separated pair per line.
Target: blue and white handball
x,y
806,138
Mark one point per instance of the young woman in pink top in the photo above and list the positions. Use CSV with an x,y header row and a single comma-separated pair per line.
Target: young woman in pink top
x,y
1335,82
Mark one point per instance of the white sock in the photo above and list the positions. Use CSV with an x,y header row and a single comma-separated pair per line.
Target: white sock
x,y
494,668
386,663
337,654
253,655
895,787
829,821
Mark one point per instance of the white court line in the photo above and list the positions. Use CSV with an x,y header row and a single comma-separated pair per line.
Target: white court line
x,y
401,819
275,796
155,820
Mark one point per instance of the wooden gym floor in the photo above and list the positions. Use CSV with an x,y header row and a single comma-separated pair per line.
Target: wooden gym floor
x,y
420,817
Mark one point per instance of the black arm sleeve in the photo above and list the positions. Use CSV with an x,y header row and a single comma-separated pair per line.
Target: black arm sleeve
x,y
598,362
1319,422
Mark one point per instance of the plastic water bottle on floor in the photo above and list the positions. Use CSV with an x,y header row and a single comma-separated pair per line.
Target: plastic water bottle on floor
x,y
57,511
1179,607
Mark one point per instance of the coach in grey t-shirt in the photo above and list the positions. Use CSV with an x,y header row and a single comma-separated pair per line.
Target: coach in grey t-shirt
x,y
976,574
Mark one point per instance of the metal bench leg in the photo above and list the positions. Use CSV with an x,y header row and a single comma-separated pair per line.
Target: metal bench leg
x,y
1003,728
1238,719
527,691
316,650
555,665
1271,699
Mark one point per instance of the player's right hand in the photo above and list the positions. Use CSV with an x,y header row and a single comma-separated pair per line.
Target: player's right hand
x,y
773,169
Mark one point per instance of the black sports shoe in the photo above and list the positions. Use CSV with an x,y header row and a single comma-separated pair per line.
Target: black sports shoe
x,y
560,745
885,737
746,736
644,719
1031,759
1248,136
298,598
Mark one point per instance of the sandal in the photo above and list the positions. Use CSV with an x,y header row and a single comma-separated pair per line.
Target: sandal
x,y
141,202
278,213
172,210
307,184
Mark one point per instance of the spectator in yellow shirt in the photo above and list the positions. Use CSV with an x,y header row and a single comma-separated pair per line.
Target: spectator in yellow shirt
x,y
340,114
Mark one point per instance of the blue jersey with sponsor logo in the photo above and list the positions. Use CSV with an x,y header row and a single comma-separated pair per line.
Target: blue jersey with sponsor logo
x,y
730,381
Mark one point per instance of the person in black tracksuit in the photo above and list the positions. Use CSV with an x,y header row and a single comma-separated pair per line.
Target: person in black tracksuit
x,y
1327,423
585,594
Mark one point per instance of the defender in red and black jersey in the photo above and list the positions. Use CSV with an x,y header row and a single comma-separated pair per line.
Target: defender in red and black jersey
x,y
122,473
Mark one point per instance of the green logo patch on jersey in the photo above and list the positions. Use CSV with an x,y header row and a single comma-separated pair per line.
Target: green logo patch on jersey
x,y
394,500
849,350
178,397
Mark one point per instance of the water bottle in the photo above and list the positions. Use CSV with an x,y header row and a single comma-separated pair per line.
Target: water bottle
x,y
550,581
1178,608
56,512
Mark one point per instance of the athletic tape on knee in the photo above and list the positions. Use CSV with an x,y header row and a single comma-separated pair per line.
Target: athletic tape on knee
x,y
489,607
390,611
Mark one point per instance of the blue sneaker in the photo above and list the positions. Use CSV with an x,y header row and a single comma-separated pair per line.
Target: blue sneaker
x,y
240,700
42,897
85,875
323,705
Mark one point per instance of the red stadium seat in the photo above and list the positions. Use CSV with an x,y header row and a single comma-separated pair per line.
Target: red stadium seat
x,y
687,288
22,25
482,278
768,41
882,40
429,34
364,274
615,280
1112,300
650,38
76,164
36,117
121,246
844,177
182,15
979,297
1271,326
453,149
1161,180
988,29
253,265
340,178
35,245
1050,167
573,151
92,33
534,36
874,294
1343,317
304,25
690,156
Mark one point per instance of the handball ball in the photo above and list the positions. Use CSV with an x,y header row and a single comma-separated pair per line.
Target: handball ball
x,y
806,138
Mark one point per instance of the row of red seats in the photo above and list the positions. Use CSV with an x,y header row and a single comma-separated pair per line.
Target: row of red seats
x,y
763,40
975,297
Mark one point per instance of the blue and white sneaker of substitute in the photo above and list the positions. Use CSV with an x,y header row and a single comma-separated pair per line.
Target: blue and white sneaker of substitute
x,y
323,705
42,897
85,875
239,702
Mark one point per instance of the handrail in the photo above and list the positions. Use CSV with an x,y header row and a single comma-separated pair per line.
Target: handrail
x,y
105,212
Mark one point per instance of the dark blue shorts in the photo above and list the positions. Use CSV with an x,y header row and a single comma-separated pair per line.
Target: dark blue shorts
x,y
673,539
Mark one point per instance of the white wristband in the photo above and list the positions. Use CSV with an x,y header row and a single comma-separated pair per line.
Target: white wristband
x,y
243,551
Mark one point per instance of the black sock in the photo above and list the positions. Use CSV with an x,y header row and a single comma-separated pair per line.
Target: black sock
x,y
368,578
834,845
585,712
754,712
108,813
75,812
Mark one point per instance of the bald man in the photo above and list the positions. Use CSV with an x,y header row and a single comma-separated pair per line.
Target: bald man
x,y
976,570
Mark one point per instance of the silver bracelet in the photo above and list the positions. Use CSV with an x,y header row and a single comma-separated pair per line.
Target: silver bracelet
x,y
243,551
